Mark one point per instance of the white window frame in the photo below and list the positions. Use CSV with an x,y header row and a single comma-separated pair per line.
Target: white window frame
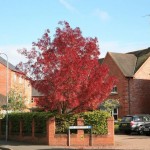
x,y
115,113
114,90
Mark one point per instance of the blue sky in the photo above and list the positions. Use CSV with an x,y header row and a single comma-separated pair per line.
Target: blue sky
x,y
119,25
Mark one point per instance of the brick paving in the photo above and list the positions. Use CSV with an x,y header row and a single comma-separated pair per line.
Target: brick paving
x,y
122,142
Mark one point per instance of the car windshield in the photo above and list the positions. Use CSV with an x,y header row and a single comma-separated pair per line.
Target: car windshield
x,y
137,119
127,119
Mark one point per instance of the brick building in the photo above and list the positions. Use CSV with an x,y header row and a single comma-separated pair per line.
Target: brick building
x,y
35,95
133,86
15,81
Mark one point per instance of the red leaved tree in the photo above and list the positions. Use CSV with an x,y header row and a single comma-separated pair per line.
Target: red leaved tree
x,y
67,71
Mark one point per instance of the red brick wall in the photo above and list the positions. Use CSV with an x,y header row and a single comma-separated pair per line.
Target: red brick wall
x,y
24,87
3,79
79,139
140,96
122,86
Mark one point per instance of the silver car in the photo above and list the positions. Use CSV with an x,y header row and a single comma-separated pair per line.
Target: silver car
x,y
134,123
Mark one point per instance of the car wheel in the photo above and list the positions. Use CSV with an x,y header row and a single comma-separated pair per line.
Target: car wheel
x,y
140,130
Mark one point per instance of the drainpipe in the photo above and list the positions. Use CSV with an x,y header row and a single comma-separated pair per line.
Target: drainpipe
x,y
129,98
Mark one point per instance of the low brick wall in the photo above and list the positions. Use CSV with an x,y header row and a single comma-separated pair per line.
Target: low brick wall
x,y
80,139
32,138
52,139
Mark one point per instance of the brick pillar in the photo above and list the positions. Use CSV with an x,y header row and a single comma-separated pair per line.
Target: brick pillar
x,y
80,133
51,131
110,125
33,129
21,129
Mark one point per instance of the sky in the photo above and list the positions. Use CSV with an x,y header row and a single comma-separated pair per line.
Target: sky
x,y
120,25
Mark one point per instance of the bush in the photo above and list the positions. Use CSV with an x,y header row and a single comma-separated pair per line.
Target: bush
x,y
96,119
64,121
39,118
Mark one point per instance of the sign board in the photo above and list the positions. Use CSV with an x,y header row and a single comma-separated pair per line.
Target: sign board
x,y
80,127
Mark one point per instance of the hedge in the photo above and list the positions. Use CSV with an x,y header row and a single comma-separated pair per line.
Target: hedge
x,y
97,119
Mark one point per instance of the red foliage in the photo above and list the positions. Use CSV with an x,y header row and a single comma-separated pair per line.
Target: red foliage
x,y
66,70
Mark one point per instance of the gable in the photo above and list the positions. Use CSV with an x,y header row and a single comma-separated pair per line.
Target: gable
x,y
125,62
144,71
114,70
142,56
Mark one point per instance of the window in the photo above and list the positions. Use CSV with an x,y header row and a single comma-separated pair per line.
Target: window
x,y
115,113
114,90
32,100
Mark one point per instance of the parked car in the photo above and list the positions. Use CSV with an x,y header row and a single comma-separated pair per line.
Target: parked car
x,y
134,123
146,128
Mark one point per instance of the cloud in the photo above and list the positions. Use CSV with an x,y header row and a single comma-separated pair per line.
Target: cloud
x,y
68,6
11,51
102,15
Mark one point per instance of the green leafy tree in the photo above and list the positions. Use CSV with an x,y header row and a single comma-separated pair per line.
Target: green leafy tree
x,y
109,105
16,101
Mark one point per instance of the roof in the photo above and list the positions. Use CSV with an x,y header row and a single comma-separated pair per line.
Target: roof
x,y
130,62
101,60
142,56
10,66
36,93
126,63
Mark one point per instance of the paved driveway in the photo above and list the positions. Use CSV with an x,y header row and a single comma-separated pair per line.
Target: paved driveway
x,y
132,142
122,142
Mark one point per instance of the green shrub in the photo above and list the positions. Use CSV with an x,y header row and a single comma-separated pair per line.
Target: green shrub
x,y
39,118
40,122
98,121
64,121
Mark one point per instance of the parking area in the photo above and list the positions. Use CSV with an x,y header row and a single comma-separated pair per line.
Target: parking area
x,y
132,141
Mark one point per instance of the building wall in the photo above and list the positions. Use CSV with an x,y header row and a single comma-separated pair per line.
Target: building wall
x,y
3,79
122,86
22,85
140,96
140,88
14,82
33,103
